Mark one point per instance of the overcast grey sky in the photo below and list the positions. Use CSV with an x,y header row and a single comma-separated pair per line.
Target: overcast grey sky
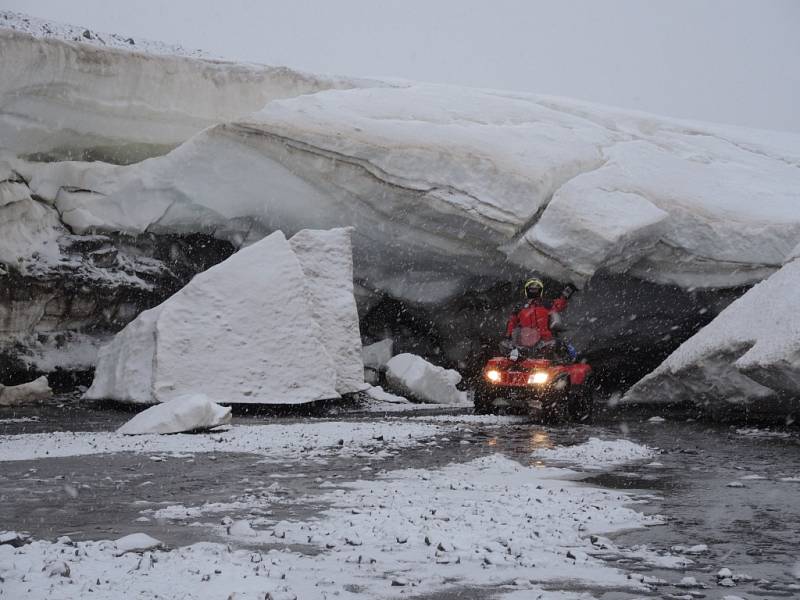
x,y
732,61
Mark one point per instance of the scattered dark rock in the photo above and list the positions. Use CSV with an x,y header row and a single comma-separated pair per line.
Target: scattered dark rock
x,y
354,541
13,539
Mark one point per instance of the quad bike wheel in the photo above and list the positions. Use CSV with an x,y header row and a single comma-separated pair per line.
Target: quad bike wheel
x,y
555,407
483,401
580,404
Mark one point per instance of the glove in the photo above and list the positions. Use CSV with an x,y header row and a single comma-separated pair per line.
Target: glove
x,y
568,290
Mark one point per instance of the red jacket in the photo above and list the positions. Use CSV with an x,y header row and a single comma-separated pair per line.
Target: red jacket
x,y
536,314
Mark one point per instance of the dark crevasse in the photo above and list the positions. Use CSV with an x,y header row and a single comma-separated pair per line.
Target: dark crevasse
x,y
621,325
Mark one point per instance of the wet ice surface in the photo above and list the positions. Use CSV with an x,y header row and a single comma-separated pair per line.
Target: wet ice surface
x,y
751,529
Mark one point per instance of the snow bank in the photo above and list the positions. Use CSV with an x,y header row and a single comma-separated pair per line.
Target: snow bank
x,y
415,376
295,440
185,413
26,393
597,453
245,331
495,521
69,351
749,354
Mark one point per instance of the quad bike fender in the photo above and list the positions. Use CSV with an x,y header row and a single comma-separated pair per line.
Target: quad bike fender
x,y
578,373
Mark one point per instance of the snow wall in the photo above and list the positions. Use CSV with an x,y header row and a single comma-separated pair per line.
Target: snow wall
x,y
64,99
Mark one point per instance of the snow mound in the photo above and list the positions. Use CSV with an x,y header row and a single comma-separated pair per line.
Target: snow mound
x,y
378,394
26,393
136,542
597,453
244,331
377,355
185,413
749,354
413,375
241,528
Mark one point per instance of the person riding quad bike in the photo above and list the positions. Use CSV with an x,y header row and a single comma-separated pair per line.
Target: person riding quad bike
x,y
535,315
535,371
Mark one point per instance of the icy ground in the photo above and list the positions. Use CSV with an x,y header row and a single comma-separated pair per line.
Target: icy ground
x,y
409,528
281,440
597,453
447,506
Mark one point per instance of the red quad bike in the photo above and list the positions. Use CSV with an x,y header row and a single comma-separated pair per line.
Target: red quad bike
x,y
536,378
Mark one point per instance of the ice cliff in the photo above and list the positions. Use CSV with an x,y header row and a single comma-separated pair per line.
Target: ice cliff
x,y
449,190
484,177
70,93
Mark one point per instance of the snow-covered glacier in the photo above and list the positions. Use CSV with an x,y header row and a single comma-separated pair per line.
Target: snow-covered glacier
x,y
465,183
449,190
553,188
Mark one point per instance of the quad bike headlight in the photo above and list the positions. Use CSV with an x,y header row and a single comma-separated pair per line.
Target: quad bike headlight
x,y
538,378
493,375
